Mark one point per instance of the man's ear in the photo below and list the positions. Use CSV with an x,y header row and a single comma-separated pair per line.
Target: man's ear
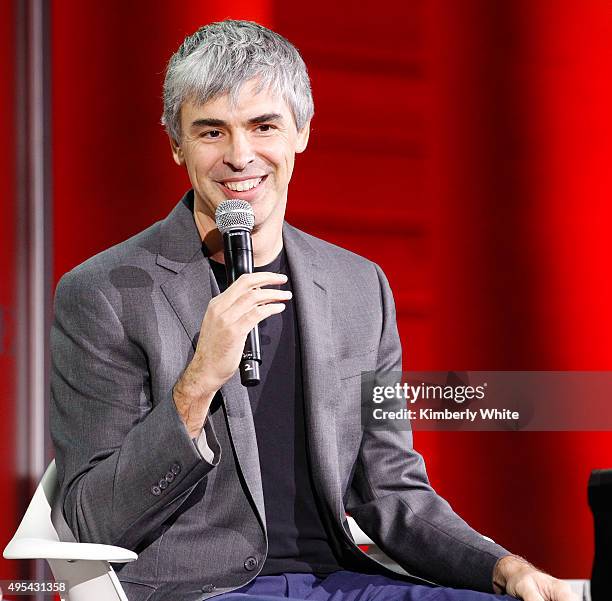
x,y
177,151
302,137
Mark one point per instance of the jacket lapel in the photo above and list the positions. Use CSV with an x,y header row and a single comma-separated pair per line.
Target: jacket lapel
x,y
189,290
242,432
313,310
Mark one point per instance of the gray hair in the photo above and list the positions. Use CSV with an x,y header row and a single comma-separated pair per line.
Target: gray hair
x,y
221,57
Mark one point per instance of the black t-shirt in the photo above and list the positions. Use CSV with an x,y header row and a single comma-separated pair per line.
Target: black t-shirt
x,y
297,540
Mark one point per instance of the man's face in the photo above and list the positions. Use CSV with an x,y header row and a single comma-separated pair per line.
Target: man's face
x,y
246,151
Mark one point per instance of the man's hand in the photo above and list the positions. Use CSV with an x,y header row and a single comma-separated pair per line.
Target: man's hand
x,y
229,318
515,576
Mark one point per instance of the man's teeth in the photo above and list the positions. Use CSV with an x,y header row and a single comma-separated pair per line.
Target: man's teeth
x,y
242,186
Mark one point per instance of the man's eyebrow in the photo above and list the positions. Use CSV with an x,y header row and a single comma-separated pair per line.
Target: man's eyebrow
x,y
209,122
265,118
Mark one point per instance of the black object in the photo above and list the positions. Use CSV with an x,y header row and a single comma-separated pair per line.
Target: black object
x,y
600,501
300,539
235,219
238,253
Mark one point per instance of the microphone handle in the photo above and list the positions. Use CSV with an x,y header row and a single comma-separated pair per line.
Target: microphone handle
x,y
238,253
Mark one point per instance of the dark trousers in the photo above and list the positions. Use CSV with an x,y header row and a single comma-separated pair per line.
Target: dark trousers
x,y
348,586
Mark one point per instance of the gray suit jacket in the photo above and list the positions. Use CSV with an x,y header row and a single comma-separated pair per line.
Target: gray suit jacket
x,y
126,325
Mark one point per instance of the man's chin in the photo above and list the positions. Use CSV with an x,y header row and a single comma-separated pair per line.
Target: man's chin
x,y
266,215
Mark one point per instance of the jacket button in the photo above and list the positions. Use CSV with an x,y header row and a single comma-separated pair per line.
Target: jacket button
x,y
250,563
208,588
175,469
156,490
163,483
170,476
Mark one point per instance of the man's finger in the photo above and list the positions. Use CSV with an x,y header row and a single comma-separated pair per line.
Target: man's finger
x,y
246,282
248,321
562,591
528,590
252,298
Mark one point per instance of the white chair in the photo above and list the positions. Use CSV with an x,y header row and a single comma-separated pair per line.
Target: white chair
x,y
83,566
361,538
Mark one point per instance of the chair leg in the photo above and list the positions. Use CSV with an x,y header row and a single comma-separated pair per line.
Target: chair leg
x,y
87,580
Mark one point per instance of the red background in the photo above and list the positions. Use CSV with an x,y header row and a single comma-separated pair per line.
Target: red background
x,y
463,145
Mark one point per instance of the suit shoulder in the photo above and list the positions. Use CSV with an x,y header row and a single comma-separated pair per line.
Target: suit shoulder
x,y
138,250
335,254
346,269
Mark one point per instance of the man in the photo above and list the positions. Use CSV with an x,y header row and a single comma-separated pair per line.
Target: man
x,y
160,449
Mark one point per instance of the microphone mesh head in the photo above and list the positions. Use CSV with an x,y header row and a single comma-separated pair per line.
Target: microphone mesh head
x,y
234,214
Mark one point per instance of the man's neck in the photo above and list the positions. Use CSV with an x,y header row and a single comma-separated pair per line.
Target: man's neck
x,y
267,240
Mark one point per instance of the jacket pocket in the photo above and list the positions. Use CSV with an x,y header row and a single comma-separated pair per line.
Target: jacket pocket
x,y
354,365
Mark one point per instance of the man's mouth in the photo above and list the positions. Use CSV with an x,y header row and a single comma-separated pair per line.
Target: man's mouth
x,y
243,185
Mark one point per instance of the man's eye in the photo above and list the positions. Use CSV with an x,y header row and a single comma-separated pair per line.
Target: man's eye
x,y
264,128
211,133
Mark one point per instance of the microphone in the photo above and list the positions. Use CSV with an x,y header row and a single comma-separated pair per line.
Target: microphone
x,y
235,220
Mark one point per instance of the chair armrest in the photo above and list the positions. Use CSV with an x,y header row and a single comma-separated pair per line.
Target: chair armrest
x,y
37,548
359,536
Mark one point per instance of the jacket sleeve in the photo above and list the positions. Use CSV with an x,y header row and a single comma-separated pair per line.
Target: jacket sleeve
x,y
125,460
391,498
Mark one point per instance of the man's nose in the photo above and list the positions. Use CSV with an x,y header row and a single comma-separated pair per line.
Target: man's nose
x,y
239,152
